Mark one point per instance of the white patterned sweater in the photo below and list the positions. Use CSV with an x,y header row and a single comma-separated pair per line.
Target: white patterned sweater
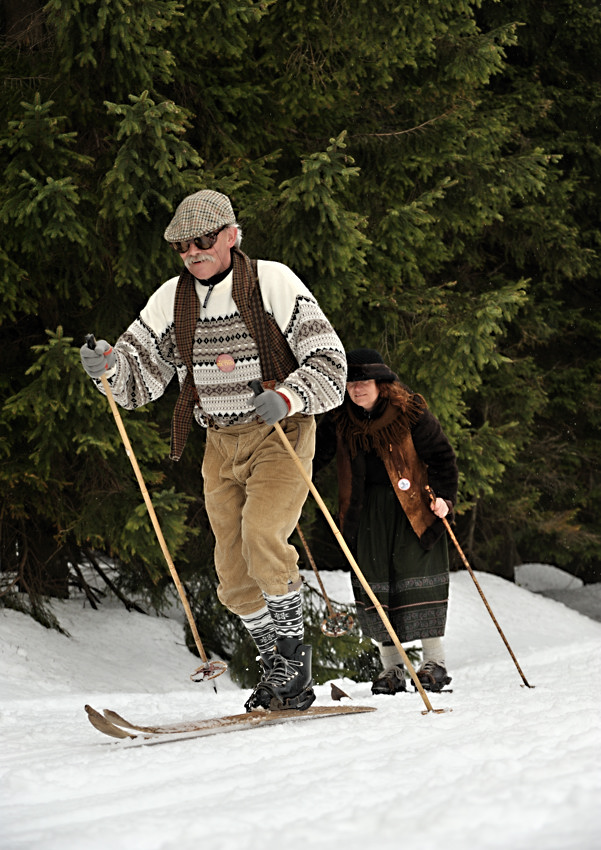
x,y
225,355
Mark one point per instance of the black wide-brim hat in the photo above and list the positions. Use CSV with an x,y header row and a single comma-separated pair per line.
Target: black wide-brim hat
x,y
366,364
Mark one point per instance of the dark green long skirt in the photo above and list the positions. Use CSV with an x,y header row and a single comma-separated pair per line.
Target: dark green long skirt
x,y
411,584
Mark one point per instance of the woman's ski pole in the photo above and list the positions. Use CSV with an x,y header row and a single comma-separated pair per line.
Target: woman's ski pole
x,y
475,580
335,625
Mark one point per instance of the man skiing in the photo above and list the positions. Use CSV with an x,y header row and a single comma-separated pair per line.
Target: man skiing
x,y
224,322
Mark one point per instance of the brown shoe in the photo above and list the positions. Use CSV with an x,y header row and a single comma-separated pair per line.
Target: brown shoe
x,y
433,677
390,682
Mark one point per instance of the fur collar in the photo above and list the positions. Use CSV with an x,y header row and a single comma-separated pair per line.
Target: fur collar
x,y
388,424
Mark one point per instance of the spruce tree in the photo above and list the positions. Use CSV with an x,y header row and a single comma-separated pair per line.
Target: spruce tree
x,y
545,509
94,161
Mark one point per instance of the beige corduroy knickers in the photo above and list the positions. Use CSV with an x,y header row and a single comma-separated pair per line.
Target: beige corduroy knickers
x,y
254,494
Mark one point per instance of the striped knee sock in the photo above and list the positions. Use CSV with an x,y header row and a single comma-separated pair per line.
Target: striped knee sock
x,y
287,614
261,628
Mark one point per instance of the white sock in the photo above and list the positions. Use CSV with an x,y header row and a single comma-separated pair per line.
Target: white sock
x,y
389,655
433,649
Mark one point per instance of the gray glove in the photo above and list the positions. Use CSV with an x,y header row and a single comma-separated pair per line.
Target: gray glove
x,y
270,406
97,360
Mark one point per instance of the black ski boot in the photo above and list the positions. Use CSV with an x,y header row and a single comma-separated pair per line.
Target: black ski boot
x,y
288,683
390,682
266,662
433,677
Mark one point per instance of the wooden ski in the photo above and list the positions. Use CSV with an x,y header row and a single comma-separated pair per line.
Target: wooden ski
x,y
112,724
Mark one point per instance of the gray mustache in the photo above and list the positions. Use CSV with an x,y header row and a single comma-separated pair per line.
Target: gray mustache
x,y
203,258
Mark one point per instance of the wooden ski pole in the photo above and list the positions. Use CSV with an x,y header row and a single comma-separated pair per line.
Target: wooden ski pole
x,y
210,669
480,591
258,389
315,570
336,624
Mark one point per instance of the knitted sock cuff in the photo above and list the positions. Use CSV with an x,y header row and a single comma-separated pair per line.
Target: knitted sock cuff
x,y
287,614
261,628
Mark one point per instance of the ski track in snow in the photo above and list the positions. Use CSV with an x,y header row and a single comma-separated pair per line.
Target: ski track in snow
x,y
509,767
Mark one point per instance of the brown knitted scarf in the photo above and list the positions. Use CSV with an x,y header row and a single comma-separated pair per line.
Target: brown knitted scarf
x,y
277,359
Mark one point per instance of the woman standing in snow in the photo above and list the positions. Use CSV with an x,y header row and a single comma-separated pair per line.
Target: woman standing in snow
x,y
389,448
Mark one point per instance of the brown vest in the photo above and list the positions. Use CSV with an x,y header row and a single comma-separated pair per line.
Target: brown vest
x,y
277,359
402,465
390,437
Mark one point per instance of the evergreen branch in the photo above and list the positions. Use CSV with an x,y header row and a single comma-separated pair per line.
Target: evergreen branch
x,y
405,132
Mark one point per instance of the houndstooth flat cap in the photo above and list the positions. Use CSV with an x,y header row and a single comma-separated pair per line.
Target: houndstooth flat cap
x,y
200,213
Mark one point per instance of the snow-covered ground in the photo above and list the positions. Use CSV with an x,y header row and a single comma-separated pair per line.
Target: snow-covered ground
x,y
504,766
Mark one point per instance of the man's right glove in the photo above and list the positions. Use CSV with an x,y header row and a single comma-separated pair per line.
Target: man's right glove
x,y
271,406
97,360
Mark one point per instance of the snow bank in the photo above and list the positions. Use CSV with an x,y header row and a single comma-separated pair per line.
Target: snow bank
x,y
541,577
504,766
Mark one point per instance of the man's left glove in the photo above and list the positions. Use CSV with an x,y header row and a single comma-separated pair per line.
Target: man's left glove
x,y
271,406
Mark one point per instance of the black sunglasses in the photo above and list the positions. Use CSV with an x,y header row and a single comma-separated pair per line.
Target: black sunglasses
x,y
204,242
